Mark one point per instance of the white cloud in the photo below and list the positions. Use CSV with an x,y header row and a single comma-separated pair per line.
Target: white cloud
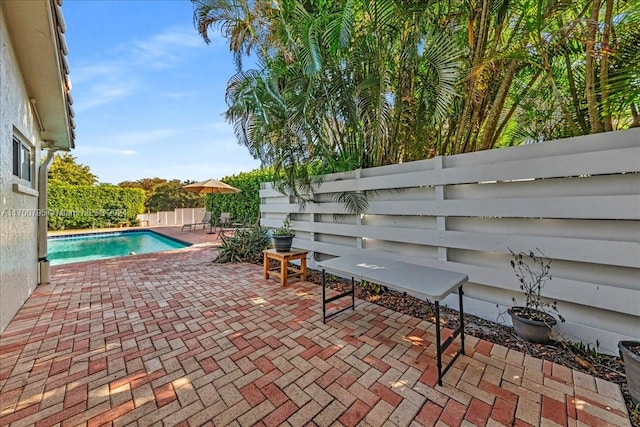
x,y
120,76
89,73
135,138
165,49
98,84
89,149
100,94
177,95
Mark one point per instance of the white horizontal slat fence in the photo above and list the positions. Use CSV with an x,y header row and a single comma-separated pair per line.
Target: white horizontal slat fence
x,y
178,216
577,200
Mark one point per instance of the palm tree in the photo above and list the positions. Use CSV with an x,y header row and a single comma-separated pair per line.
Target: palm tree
x,y
344,84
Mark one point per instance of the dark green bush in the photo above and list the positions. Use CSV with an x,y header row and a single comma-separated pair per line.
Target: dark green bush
x,y
243,206
244,246
78,207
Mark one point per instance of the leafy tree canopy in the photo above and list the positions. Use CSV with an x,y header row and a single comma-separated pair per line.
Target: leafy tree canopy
x,y
171,195
362,83
65,170
164,195
146,184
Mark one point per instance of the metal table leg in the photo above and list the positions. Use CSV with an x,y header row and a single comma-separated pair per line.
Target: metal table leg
x,y
440,347
326,300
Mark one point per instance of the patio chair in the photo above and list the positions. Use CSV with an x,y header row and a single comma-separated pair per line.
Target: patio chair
x,y
233,226
224,221
206,220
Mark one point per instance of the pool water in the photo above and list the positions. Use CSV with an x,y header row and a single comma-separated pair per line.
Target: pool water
x,y
87,247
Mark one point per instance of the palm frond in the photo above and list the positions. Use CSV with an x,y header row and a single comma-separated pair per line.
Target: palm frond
x,y
354,202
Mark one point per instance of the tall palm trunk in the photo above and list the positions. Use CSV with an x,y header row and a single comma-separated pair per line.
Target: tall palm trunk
x,y
590,72
470,113
558,96
514,106
498,103
636,117
574,94
604,66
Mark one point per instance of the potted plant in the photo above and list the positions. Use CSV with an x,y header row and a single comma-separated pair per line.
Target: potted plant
x,y
630,354
533,321
283,237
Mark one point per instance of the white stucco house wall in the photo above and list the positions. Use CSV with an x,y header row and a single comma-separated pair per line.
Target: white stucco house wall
x,y
36,119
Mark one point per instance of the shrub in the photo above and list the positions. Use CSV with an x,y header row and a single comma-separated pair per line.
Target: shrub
x,y
246,204
79,206
244,246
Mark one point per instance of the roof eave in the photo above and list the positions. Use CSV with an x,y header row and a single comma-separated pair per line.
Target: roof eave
x,y
37,31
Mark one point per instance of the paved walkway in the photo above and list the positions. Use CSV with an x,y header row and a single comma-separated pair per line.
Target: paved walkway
x,y
172,339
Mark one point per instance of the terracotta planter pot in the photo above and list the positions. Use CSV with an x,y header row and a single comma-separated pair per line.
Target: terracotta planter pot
x,y
282,243
535,331
631,367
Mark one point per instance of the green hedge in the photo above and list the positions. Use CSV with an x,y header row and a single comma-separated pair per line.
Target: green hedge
x,y
78,207
244,206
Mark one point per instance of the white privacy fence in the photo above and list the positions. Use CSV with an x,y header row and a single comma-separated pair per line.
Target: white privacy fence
x,y
176,217
577,200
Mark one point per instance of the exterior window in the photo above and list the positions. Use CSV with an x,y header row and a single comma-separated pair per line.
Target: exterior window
x,y
22,160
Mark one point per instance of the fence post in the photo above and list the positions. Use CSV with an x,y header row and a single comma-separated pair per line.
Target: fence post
x,y
359,239
441,221
314,219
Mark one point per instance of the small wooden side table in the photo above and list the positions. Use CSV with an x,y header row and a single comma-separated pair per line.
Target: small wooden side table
x,y
285,271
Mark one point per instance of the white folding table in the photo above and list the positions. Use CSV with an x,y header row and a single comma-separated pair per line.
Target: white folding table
x,y
420,281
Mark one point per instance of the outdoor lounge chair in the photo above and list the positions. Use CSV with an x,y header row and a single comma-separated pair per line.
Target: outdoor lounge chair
x,y
230,226
224,221
206,220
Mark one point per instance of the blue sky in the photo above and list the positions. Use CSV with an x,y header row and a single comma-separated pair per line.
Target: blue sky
x,y
149,93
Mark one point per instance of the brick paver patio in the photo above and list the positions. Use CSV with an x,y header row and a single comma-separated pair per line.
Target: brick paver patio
x,y
172,339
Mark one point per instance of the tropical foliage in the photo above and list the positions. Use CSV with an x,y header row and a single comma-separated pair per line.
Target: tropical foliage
x,y
98,206
360,83
65,170
243,206
164,195
75,200
246,245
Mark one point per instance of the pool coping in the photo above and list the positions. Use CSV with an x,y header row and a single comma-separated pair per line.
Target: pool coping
x,y
105,231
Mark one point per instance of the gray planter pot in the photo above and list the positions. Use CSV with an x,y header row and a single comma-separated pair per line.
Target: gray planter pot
x,y
631,367
535,331
282,243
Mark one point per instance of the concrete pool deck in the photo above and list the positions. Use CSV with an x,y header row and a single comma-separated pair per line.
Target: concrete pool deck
x,y
170,338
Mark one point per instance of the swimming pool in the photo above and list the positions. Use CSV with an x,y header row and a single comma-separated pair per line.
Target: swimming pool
x,y
91,246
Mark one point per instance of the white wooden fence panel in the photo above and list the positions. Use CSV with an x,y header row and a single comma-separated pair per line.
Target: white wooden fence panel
x,y
595,185
578,200
573,249
584,228
613,298
581,144
588,207
600,207
548,167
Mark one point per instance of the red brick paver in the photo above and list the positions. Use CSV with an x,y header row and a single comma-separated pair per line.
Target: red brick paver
x,y
172,338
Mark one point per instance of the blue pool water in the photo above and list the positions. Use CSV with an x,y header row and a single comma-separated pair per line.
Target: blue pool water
x,y
87,247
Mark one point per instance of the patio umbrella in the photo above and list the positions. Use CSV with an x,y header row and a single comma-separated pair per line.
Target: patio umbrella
x,y
211,186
